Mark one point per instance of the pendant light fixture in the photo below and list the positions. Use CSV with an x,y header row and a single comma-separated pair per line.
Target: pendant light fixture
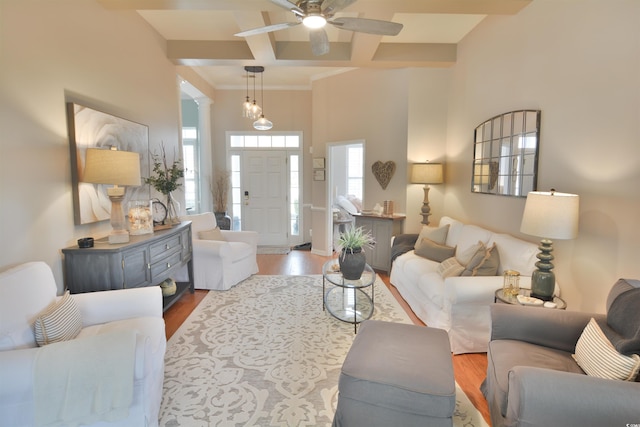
x,y
262,123
246,105
252,110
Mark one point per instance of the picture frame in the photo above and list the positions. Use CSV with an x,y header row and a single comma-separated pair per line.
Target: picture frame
x,y
318,162
318,175
89,128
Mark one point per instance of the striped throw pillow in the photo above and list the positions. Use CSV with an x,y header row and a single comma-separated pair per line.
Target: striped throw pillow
x,y
60,321
597,357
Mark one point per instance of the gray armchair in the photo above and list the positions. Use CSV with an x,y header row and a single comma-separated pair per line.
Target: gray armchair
x,y
532,379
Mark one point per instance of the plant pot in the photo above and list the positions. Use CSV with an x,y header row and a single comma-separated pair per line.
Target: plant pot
x,y
223,220
352,263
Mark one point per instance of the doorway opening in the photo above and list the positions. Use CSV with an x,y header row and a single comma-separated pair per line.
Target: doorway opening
x,y
266,185
346,181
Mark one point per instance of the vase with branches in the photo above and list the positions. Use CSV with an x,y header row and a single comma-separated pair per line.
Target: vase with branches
x,y
220,190
165,179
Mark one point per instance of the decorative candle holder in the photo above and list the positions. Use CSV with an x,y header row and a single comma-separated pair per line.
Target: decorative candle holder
x,y
511,284
140,217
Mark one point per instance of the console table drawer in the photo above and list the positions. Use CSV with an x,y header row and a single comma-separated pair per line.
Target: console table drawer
x,y
159,269
165,248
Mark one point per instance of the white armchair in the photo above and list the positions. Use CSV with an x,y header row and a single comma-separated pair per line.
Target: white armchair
x,y
221,264
30,288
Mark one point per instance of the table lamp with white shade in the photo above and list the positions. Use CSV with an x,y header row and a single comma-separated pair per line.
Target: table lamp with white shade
x,y
426,173
117,168
550,215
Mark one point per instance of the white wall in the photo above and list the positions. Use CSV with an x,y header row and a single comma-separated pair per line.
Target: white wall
x,y
579,62
53,52
289,110
369,105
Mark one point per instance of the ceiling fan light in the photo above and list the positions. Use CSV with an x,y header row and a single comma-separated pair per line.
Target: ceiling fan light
x,y
262,123
314,21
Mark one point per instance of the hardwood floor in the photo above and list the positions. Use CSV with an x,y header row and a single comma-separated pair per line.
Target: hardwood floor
x,y
469,369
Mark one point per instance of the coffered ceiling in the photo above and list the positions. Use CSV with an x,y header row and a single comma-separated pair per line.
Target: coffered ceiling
x,y
200,34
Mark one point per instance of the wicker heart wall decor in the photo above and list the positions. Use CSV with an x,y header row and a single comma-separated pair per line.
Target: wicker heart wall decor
x,y
383,172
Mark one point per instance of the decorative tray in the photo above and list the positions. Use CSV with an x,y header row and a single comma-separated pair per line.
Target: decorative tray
x,y
525,300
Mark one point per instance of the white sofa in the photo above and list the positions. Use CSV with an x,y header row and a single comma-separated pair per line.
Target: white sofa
x,y
28,289
223,258
460,305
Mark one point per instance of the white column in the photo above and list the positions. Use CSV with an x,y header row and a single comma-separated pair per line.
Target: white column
x,y
205,173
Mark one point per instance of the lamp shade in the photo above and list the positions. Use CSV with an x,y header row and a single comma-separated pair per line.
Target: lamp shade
x,y
551,215
427,173
112,167
262,123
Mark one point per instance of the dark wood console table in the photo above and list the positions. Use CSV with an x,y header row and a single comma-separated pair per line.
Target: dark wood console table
x,y
146,260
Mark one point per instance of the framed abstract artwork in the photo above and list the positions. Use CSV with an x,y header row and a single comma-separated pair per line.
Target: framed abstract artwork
x,y
89,128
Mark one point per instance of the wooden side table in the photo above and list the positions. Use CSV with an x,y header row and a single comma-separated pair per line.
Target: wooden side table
x,y
500,297
382,228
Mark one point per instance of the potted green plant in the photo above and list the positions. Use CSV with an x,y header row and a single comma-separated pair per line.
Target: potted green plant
x,y
165,180
352,258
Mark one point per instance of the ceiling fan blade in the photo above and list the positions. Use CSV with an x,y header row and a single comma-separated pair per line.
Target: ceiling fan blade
x,y
319,41
370,26
267,29
288,5
329,7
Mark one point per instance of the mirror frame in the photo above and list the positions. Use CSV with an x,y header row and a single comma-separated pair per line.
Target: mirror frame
x,y
505,154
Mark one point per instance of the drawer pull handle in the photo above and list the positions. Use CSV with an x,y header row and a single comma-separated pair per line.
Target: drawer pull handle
x,y
167,246
168,265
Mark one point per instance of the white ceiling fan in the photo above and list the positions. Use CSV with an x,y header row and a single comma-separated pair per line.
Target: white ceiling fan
x,y
315,14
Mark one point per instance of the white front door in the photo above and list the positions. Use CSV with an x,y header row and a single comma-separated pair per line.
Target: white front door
x,y
264,178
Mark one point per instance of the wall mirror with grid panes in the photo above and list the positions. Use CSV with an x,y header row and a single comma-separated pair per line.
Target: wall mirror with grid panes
x,y
505,155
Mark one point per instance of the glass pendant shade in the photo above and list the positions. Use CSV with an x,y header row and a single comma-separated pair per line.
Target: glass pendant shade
x,y
246,108
254,111
262,123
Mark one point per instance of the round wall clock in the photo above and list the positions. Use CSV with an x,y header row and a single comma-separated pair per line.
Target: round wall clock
x,y
159,212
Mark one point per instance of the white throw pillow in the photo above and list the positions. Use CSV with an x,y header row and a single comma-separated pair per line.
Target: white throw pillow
x,y
60,321
598,358
345,204
450,267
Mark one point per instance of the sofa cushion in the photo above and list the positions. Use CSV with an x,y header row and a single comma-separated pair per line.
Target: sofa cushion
x,y
506,354
201,222
60,321
455,228
471,235
465,256
483,264
598,358
436,234
622,326
26,290
429,249
450,267
213,234
515,254
432,286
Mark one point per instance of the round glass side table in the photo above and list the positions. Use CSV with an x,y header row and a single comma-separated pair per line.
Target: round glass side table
x,y
509,299
347,300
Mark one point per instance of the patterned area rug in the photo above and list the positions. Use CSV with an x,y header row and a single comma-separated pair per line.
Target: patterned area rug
x,y
264,353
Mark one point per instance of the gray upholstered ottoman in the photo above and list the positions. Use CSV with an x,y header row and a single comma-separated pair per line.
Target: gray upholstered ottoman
x,y
396,375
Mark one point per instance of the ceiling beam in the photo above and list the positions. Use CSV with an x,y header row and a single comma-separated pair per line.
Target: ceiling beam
x,y
387,55
262,46
481,7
